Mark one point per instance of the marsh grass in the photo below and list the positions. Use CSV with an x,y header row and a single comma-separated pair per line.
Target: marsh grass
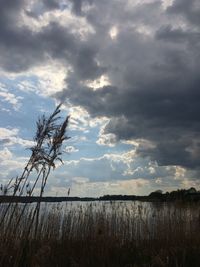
x,y
104,234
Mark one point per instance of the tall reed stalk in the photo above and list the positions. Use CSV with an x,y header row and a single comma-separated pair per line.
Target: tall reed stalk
x,y
50,135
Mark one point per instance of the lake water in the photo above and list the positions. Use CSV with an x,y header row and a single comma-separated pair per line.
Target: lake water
x,y
129,219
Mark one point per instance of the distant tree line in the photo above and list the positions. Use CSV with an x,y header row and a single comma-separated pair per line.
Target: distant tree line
x,y
190,194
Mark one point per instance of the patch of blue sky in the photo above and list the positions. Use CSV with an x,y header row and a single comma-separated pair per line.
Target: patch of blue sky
x,y
85,142
23,118
89,149
31,106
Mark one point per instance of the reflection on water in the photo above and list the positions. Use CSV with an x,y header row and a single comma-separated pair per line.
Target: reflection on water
x,y
127,219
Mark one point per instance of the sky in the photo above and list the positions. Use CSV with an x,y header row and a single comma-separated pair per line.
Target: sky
x,y
128,74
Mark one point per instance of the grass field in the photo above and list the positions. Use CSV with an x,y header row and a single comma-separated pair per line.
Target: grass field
x,y
101,234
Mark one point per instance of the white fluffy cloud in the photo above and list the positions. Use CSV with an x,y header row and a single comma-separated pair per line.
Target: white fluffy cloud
x,y
10,164
10,137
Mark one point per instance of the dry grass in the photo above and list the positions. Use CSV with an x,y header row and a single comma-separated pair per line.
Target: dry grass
x,y
103,234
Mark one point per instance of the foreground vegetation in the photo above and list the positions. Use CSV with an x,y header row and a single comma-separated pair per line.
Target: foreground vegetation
x,y
103,234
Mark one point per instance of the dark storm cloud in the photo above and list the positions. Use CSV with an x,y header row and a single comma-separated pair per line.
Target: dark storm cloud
x,y
44,6
51,4
9,8
78,4
178,35
21,48
154,93
172,152
85,65
188,9
166,117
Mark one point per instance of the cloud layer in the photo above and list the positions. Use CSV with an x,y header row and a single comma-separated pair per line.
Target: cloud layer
x,y
154,75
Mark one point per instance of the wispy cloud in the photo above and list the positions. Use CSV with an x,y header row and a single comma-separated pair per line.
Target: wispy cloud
x,y
10,98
